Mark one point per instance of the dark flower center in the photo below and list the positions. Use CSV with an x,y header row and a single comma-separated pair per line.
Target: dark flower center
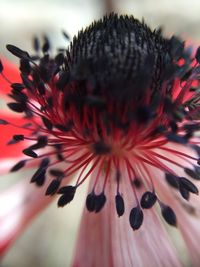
x,y
112,102
114,54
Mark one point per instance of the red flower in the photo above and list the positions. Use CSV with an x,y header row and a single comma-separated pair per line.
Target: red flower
x,y
121,105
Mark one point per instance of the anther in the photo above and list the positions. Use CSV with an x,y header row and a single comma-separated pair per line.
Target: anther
x,y
136,218
172,180
36,44
91,202
1,66
3,122
17,107
57,173
195,174
148,200
197,56
47,123
119,203
137,182
169,215
53,187
18,137
18,166
67,195
39,177
30,153
188,185
100,201
17,51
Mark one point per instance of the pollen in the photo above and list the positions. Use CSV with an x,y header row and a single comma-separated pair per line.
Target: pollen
x,y
116,103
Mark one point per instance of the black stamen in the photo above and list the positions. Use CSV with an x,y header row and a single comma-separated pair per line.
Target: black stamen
x,y
186,184
197,56
57,173
44,163
169,215
176,138
36,44
60,157
184,193
42,142
18,166
59,59
195,174
46,45
90,202
39,177
30,153
177,47
100,201
25,67
119,203
69,189
17,51
12,142
66,35
3,122
172,180
47,123
19,96
148,200
1,66
63,128
137,182
27,82
67,196
63,80
53,187
136,218
18,137
17,107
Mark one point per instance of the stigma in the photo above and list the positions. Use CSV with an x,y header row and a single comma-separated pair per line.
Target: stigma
x,y
116,101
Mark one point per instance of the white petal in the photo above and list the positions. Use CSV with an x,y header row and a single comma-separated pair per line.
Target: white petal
x,y
189,224
18,206
109,241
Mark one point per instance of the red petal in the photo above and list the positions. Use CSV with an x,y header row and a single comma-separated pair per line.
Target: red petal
x,y
7,132
12,73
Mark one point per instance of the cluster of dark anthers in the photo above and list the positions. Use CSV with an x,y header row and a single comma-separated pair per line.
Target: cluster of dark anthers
x,y
118,92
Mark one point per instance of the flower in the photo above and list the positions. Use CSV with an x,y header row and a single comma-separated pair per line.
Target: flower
x,y
121,106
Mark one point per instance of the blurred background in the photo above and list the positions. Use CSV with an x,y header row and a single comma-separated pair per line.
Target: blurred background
x,y
50,240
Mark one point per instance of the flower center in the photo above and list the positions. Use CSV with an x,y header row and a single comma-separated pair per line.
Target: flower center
x,y
115,100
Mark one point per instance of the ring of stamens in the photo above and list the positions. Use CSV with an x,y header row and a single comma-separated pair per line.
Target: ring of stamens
x,y
84,114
